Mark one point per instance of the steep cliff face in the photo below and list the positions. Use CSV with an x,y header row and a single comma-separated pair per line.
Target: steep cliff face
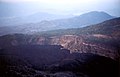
x,y
82,44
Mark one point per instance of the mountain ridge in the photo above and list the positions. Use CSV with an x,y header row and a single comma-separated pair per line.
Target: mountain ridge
x,y
75,22
102,39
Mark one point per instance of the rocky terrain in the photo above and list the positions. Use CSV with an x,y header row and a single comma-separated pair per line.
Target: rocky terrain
x,y
53,61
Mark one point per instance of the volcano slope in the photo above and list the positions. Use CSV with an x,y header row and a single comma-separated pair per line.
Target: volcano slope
x,y
53,61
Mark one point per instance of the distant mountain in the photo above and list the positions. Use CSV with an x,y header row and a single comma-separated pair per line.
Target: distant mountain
x,y
108,27
32,18
74,22
83,20
37,17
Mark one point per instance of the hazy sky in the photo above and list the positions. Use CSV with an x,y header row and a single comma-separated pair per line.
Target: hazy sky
x,y
60,6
